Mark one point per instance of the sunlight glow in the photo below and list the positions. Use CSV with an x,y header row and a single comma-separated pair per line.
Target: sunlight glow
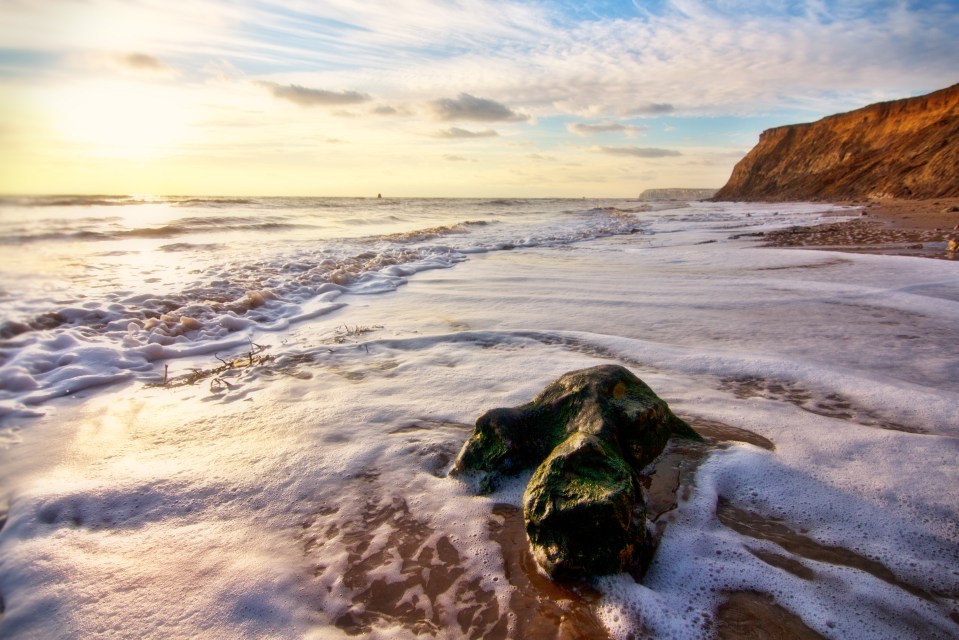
x,y
481,97
118,119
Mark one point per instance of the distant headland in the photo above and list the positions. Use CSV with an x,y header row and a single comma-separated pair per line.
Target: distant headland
x,y
903,149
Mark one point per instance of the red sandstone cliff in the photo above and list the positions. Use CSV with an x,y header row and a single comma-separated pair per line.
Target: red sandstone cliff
x,y
903,149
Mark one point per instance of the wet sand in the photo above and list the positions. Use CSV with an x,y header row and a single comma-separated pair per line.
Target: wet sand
x,y
937,214
920,228
541,608
753,615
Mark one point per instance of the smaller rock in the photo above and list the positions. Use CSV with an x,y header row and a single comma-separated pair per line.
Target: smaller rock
x,y
581,509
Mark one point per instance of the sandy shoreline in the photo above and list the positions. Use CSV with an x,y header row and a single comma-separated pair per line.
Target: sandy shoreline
x,y
920,228
937,214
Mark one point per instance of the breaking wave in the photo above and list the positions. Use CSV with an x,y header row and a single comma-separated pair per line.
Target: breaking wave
x,y
122,298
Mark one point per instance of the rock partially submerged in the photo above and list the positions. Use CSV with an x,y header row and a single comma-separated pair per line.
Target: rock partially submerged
x,y
588,434
583,509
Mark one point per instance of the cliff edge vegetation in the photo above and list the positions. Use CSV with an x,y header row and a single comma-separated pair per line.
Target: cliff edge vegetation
x,y
906,149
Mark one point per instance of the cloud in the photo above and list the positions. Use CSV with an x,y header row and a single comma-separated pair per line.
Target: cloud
x,y
221,71
582,129
451,158
467,107
638,152
694,57
392,110
306,97
129,64
652,109
143,62
457,133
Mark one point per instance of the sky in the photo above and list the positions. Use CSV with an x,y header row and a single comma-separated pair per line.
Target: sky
x,y
455,98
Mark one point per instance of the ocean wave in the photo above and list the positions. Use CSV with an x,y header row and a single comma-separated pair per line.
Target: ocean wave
x,y
618,210
211,223
429,233
187,246
175,228
223,293
504,202
69,348
73,201
214,202
51,236
69,200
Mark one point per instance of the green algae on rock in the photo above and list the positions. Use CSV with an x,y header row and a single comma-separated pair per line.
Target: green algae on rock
x,y
588,434
581,510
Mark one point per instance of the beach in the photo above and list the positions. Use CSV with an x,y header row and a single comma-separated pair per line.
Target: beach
x,y
937,213
256,442
920,228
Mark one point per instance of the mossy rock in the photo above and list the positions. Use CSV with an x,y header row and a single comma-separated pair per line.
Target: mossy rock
x,y
588,434
607,401
582,510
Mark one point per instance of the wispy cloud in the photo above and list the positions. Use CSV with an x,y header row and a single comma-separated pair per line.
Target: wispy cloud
x,y
652,109
638,152
684,57
306,97
698,57
584,129
457,133
129,64
143,61
467,107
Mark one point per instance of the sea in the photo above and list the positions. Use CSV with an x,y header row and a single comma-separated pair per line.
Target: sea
x,y
235,418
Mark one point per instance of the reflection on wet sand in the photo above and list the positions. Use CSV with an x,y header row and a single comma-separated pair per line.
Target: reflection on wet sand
x,y
542,607
745,609
396,569
747,615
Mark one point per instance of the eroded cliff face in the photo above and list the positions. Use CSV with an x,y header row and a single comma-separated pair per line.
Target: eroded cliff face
x,y
901,149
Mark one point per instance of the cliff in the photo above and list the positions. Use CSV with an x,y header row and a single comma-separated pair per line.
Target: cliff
x,y
901,149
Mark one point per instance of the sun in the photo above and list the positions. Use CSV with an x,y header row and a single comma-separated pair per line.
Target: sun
x,y
121,119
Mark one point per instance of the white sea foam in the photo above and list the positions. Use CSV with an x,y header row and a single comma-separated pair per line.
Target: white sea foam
x,y
109,278
306,495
